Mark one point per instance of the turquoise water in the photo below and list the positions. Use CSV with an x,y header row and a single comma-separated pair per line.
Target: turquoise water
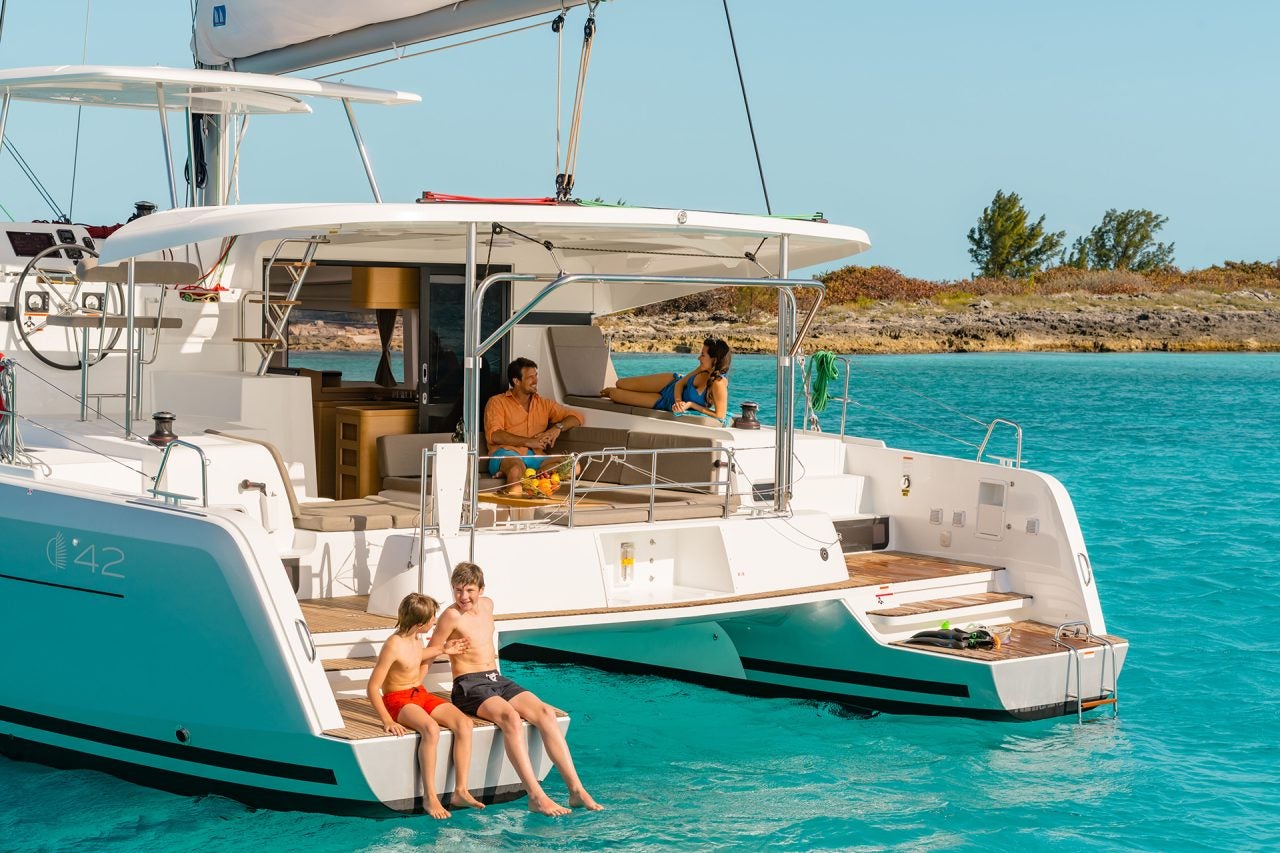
x,y
1173,462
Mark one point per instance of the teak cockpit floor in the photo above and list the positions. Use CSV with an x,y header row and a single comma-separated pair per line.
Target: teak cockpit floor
x,y
1029,639
361,721
344,613
872,568
865,568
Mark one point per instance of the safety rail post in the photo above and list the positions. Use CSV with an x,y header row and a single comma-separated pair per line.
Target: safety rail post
x,y
174,498
8,411
991,428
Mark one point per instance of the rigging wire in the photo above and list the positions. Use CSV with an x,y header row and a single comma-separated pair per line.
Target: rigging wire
x,y
750,125
557,27
564,180
75,156
35,181
884,377
65,437
400,56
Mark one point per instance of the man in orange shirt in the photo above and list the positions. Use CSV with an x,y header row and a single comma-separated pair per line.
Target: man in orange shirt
x,y
520,426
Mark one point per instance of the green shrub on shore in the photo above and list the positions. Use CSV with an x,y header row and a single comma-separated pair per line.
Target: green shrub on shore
x,y
860,287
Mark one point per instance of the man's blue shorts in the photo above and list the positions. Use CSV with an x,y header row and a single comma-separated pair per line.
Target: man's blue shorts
x,y
530,460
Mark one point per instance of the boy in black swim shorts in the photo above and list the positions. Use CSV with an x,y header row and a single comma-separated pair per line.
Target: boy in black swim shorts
x,y
471,690
480,690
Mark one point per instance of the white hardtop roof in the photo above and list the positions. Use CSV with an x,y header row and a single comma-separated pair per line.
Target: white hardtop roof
x,y
596,239
199,89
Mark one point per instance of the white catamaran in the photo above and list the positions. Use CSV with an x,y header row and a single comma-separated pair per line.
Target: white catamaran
x,y
263,533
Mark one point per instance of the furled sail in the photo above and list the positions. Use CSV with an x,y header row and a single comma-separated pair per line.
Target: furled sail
x,y
279,36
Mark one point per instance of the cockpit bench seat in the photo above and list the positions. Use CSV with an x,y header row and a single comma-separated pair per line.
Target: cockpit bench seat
x,y
607,405
371,513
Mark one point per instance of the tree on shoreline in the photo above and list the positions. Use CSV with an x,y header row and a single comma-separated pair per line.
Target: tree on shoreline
x,y
1124,240
1004,245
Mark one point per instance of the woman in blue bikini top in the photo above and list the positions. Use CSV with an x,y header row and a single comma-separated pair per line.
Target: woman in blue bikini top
x,y
704,390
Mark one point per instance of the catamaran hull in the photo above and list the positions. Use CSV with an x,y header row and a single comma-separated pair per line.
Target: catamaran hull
x,y
158,645
828,657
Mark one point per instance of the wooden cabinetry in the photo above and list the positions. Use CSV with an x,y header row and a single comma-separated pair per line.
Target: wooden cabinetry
x,y
357,428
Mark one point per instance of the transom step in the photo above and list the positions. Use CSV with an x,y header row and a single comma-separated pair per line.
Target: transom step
x,y
1029,639
356,663
987,601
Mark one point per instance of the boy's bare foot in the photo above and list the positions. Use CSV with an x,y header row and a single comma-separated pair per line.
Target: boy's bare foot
x,y
436,810
581,799
542,804
462,799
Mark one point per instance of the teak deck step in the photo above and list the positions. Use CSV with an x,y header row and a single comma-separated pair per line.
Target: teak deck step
x,y
262,341
872,568
348,664
257,299
362,722
958,602
1030,639
342,613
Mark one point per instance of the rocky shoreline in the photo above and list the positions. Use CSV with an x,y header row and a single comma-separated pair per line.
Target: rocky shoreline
x,y
1186,321
1242,321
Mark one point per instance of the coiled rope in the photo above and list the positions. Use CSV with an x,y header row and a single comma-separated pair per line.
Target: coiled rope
x,y
824,371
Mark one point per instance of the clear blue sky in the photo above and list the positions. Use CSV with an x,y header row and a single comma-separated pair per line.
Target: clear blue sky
x,y
902,117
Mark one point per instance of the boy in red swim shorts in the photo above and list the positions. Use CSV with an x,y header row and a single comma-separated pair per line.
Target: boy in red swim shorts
x,y
396,692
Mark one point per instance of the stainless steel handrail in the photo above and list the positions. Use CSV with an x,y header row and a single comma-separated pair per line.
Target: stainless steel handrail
x,y
606,456
175,498
8,411
1081,631
991,428
810,416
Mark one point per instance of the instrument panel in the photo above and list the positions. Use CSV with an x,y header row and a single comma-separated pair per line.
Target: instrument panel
x,y
25,240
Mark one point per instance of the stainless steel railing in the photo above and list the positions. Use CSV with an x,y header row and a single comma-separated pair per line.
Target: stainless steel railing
x,y
578,487
8,411
175,498
607,456
811,418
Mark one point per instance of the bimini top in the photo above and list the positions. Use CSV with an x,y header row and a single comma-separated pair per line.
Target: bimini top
x,y
631,240
198,89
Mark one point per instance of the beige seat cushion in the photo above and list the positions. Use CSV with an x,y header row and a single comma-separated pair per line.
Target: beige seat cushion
x,y
401,455
672,467
606,405
587,439
581,358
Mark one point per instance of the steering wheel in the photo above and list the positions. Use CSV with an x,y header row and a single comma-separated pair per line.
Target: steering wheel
x,y
45,289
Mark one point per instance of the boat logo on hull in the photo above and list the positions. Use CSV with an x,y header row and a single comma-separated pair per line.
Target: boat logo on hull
x,y
56,551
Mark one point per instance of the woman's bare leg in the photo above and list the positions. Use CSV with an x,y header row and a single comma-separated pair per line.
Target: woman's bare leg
x,y
625,397
652,383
